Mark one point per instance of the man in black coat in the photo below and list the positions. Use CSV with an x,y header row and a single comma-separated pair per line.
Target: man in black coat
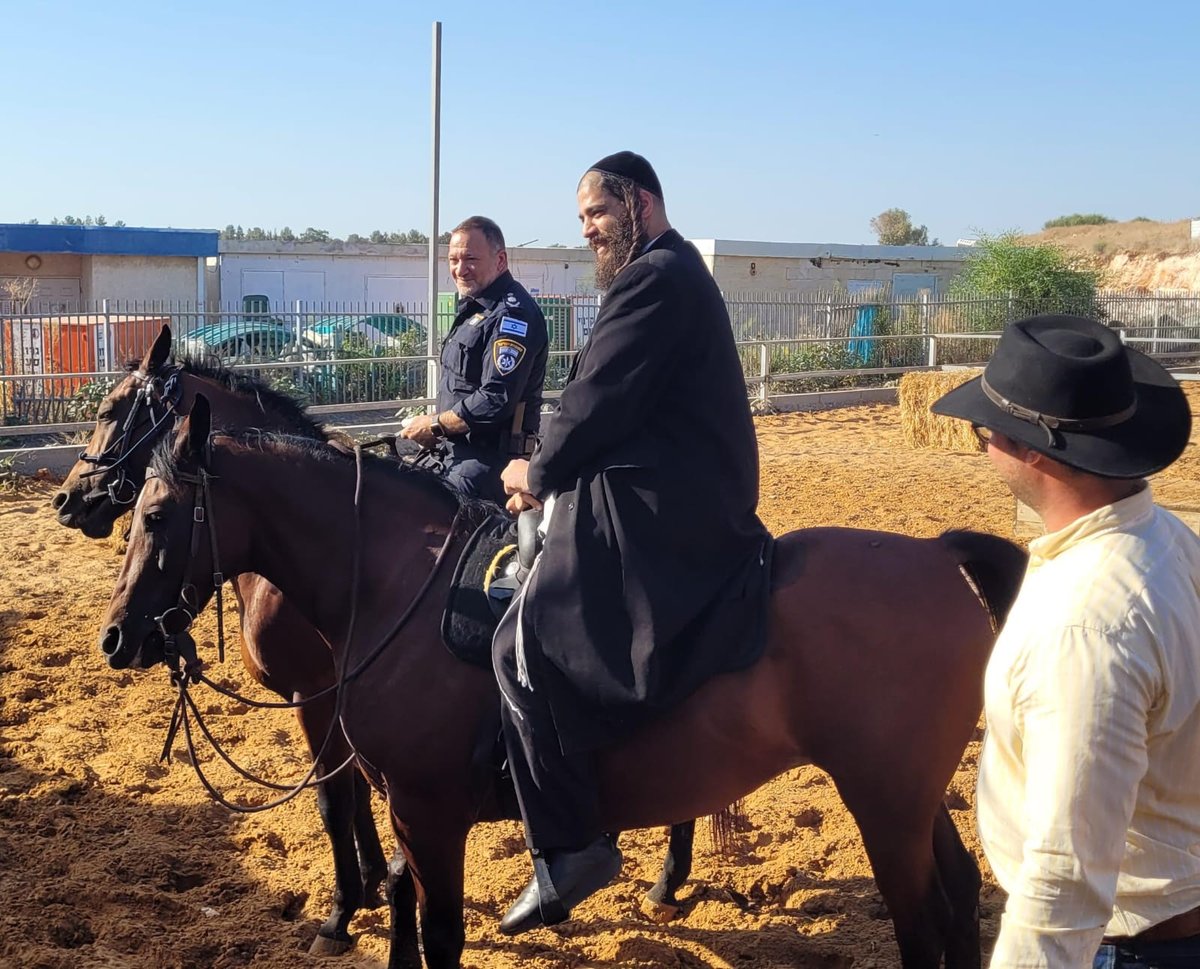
x,y
655,571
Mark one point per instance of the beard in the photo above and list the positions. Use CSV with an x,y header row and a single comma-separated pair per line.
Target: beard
x,y
618,246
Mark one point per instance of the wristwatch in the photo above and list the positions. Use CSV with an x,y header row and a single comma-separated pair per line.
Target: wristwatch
x,y
436,428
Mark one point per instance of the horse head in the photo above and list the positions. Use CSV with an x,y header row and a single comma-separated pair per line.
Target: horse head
x,y
167,576
105,480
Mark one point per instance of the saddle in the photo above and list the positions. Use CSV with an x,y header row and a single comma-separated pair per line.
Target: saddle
x,y
494,563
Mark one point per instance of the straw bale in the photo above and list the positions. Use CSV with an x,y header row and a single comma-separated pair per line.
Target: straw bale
x,y
920,428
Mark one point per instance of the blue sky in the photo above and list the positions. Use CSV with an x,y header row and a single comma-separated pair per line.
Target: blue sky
x,y
791,122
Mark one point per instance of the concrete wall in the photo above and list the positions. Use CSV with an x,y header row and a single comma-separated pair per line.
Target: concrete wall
x,y
386,276
150,278
806,267
59,287
742,273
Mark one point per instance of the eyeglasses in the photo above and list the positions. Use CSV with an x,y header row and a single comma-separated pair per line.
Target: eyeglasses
x,y
983,433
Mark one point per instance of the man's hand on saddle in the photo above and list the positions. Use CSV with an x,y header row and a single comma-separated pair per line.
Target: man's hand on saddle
x,y
421,427
515,478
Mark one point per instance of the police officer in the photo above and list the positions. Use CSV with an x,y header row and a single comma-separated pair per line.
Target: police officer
x,y
493,366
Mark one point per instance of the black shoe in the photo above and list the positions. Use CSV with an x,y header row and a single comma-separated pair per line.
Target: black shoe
x,y
574,875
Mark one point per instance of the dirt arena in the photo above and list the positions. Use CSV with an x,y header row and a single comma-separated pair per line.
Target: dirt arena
x,y
109,858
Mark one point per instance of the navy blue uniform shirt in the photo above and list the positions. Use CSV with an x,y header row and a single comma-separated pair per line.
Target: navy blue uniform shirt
x,y
493,359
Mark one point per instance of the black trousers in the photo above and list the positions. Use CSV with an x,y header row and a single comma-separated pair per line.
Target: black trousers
x,y
475,472
557,792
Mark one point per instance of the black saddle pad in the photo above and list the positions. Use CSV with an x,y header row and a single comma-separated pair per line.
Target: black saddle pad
x,y
468,622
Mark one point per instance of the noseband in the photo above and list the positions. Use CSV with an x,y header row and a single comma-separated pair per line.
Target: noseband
x,y
175,622
179,648
155,401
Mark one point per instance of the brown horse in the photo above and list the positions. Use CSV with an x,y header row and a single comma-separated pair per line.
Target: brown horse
x,y
873,670
280,648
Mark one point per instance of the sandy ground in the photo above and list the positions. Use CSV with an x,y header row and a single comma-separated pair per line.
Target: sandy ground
x,y
109,858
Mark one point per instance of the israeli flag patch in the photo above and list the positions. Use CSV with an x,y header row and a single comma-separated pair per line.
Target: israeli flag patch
x,y
515,327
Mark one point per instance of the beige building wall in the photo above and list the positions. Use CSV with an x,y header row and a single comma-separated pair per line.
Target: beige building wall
x,y
806,267
141,278
742,273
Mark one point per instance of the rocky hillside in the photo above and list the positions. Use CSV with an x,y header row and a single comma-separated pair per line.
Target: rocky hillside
x,y
1135,255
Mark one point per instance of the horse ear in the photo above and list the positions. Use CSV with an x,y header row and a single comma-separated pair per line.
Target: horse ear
x,y
157,355
199,425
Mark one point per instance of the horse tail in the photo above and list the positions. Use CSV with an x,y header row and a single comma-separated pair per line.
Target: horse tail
x,y
723,825
992,566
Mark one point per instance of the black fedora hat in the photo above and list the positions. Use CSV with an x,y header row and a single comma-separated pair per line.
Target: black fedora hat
x,y
1067,387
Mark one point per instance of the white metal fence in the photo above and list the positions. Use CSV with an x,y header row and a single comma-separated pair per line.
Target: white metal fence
x,y
354,358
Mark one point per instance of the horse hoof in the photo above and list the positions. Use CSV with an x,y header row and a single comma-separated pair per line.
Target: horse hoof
x,y
323,946
659,912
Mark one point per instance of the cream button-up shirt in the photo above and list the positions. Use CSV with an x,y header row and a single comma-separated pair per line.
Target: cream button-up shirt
x,y
1089,780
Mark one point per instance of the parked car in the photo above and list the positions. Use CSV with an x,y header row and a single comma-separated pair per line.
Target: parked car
x,y
392,331
248,341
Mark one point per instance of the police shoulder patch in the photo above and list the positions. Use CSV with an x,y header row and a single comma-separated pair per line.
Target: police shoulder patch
x,y
514,326
512,300
506,355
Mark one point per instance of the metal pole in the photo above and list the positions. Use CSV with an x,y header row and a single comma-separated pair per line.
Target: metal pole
x,y
431,318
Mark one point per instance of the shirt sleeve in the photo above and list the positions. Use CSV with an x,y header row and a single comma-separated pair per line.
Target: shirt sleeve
x,y
508,360
1081,707
634,342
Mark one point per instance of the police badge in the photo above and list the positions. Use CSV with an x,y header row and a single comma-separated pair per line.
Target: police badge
x,y
506,354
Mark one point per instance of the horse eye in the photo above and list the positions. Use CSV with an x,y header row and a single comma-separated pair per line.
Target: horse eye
x,y
154,518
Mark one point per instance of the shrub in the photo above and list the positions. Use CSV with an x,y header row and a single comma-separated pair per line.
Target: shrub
x,y
86,400
1023,280
1077,219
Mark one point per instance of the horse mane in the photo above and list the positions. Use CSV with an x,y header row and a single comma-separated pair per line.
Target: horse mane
x,y
285,408
165,465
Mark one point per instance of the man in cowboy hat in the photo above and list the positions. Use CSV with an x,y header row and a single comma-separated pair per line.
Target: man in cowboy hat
x,y
1089,781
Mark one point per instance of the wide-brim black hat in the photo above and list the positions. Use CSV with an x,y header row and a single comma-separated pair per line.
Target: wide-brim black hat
x,y
1068,388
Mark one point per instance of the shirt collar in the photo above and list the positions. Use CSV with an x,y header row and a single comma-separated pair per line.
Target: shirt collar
x,y
1110,518
494,293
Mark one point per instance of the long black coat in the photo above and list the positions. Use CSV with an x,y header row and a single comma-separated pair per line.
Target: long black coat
x,y
654,575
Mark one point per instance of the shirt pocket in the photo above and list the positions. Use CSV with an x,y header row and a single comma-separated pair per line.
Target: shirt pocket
x,y
464,351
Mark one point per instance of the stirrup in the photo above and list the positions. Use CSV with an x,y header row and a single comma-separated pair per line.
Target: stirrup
x,y
528,541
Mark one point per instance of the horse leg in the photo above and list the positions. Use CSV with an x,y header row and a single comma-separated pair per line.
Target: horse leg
x,y
372,866
961,880
436,853
336,802
899,845
404,952
660,903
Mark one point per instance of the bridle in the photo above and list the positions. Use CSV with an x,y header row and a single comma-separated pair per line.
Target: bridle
x,y
179,649
155,402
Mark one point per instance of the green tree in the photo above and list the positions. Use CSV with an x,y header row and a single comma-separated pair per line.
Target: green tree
x,y
894,227
314,235
1032,279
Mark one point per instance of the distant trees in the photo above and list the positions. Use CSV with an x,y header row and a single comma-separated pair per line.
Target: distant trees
x,y
77,220
1079,218
378,236
894,227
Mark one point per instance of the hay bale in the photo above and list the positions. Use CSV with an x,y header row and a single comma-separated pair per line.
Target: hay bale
x,y
923,429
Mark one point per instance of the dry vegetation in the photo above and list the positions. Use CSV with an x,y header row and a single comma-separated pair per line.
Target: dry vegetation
x,y
1166,238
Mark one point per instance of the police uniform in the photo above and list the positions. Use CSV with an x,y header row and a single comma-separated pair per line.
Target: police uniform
x,y
493,366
